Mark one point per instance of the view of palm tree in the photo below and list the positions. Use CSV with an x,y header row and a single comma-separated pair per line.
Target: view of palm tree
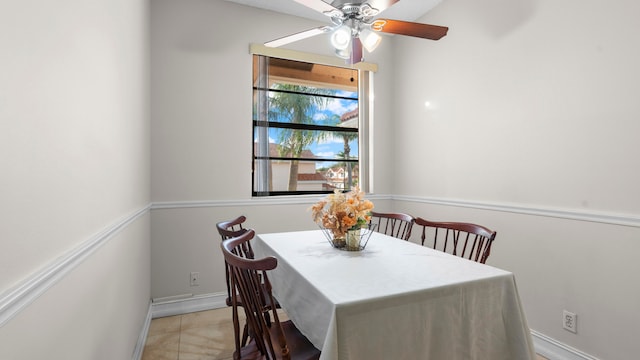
x,y
306,133
292,105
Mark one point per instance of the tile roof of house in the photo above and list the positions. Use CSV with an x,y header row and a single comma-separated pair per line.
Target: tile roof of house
x,y
311,177
349,115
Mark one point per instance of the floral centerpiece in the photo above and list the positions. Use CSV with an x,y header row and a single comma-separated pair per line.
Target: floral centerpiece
x,y
339,213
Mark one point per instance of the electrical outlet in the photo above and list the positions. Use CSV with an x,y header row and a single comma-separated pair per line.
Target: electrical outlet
x,y
195,279
570,321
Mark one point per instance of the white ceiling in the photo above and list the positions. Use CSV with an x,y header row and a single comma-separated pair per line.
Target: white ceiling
x,y
407,10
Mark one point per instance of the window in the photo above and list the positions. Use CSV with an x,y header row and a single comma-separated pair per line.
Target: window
x,y
308,136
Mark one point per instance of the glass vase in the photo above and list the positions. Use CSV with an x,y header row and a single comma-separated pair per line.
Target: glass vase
x,y
353,240
339,241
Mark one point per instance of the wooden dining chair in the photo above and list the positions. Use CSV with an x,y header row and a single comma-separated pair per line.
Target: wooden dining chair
x,y
270,339
393,224
466,240
229,229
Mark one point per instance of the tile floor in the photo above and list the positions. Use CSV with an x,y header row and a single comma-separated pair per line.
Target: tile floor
x,y
200,335
205,335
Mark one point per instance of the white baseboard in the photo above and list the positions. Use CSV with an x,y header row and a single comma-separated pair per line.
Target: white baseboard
x,y
142,338
188,305
555,350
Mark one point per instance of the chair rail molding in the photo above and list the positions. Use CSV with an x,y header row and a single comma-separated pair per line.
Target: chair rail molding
x,y
16,299
632,220
272,200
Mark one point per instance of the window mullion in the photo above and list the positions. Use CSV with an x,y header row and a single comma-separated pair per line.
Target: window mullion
x,y
262,141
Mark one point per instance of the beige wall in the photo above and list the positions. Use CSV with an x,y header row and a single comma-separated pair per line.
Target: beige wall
x,y
534,116
201,89
531,126
201,96
95,311
74,140
552,84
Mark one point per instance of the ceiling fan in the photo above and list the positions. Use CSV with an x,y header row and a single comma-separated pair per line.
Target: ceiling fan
x,y
355,26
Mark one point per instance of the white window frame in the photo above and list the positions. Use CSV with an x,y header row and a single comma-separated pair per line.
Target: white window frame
x,y
365,100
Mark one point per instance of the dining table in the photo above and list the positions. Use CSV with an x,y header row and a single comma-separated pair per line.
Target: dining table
x,y
395,299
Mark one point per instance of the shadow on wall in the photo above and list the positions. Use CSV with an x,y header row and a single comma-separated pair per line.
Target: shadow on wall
x,y
498,18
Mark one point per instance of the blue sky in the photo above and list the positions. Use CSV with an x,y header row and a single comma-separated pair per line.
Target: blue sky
x,y
329,147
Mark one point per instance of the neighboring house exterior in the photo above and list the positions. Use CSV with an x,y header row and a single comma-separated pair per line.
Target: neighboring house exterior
x,y
336,176
310,182
350,118
308,178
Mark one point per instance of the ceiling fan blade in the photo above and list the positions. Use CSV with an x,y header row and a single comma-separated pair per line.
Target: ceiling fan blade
x,y
425,31
321,7
298,36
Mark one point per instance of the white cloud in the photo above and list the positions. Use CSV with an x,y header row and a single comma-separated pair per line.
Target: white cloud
x,y
327,154
340,107
331,141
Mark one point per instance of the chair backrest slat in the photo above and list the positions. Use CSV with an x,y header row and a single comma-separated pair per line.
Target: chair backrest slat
x,y
475,243
393,224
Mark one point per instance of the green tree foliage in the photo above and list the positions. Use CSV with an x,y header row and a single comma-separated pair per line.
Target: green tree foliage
x,y
296,103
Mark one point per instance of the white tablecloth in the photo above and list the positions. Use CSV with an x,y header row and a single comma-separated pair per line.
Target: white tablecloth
x,y
395,300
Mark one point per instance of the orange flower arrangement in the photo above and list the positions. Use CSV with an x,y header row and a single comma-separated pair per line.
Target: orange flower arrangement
x,y
340,212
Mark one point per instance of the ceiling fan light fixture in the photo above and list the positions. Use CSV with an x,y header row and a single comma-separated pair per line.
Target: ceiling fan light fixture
x,y
341,37
369,39
368,11
354,27
344,53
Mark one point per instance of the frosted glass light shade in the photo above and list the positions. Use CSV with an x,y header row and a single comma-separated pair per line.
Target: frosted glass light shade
x,y
344,54
341,37
370,40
